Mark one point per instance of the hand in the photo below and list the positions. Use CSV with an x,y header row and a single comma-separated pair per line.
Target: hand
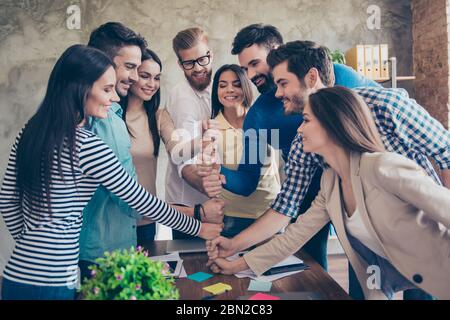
x,y
210,132
224,266
210,231
208,159
214,210
220,247
210,124
206,166
212,184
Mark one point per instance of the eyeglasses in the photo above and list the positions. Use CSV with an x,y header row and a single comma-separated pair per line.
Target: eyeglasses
x,y
202,61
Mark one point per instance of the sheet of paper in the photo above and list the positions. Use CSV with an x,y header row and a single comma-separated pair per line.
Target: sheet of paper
x,y
250,274
218,288
200,276
172,257
183,273
262,286
167,257
263,296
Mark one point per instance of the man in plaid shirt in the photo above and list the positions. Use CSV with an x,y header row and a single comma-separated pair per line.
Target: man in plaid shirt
x,y
300,68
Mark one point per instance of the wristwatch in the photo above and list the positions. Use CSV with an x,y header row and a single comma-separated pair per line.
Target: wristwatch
x,y
197,212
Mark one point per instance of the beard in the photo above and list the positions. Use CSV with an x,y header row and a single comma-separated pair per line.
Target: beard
x,y
298,104
267,86
200,86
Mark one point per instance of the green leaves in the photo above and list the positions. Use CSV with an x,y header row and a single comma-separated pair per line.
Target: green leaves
x,y
128,275
337,57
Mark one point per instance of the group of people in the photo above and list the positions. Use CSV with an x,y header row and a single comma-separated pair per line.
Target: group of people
x,y
81,176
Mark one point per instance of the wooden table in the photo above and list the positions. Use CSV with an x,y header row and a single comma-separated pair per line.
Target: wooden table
x,y
313,280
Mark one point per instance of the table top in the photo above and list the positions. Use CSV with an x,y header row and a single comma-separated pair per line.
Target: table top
x,y
315,279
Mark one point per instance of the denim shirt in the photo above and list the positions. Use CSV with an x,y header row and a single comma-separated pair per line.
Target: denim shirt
x,y
392,281
108,222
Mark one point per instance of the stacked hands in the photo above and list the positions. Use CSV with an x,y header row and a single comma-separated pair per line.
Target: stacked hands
x,y
208,163
219,249
208,169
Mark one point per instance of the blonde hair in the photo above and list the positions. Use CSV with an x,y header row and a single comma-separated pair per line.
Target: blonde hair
x,y
187,39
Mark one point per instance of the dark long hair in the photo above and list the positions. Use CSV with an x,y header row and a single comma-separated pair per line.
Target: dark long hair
x,y
151,106
53,126
347,119
216,106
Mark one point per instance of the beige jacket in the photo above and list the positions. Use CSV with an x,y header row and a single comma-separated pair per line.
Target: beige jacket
x,y
404,210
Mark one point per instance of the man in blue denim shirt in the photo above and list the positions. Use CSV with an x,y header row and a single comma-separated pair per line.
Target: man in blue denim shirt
x,y
109,223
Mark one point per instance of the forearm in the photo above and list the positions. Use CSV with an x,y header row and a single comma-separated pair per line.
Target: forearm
x,y
445,176
241,182
262,229
190,175
189,211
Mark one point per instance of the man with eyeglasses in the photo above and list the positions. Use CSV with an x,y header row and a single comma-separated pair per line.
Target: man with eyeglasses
x,y
189,103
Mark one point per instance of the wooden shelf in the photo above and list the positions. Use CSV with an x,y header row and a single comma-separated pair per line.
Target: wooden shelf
x,y
399,78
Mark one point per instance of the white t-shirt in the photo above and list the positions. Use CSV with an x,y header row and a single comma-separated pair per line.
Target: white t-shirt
x,y
356,227
187,108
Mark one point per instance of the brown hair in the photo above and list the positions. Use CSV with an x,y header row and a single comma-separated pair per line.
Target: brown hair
x,y
302,56
188,39
347,119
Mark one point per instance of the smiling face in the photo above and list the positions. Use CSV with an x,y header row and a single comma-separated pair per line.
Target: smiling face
x,y
314,137
127,61
199,77
102,95
253,61
229,90
149,80
293,92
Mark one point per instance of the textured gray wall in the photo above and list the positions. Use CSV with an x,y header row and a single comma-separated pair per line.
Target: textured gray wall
x,y
33,34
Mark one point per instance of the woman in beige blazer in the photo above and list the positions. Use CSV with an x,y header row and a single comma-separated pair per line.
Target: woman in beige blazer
x,y
391,218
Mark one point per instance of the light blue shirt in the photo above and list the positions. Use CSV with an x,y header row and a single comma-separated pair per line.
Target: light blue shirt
x,y
108,222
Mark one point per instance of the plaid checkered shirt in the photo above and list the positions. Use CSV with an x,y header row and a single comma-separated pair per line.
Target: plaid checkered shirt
x,y
406,128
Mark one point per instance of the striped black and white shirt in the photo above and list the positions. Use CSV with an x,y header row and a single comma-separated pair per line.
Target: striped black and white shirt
x,y
46,251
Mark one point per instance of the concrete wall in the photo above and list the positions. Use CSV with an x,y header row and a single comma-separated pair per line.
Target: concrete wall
x,y
33,33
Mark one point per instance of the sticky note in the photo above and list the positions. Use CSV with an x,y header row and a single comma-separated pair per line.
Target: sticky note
x,y
218,288
262,286
200,276
263,296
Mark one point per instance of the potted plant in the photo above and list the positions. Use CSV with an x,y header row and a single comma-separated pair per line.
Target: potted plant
x,y
337,56
129,275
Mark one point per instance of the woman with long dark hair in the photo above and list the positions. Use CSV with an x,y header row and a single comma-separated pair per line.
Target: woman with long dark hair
x,y
54,168
148,125
230,99
390,216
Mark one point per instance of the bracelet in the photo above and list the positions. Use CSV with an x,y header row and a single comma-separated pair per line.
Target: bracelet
x,y
197,212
